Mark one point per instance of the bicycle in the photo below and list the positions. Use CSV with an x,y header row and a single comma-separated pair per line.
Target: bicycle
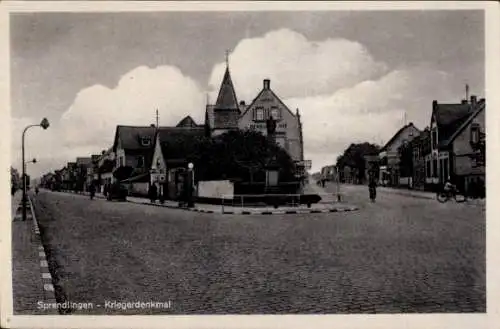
x,y
444,196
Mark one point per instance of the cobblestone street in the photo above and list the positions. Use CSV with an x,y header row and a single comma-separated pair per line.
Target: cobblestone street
x,y
400,254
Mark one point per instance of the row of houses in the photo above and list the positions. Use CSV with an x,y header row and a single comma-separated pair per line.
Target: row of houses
x,y
453,146
154,154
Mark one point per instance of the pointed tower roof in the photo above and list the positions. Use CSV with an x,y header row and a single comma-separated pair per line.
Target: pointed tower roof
x,y
227,96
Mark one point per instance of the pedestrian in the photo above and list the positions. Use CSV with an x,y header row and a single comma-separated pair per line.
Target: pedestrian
x,y
372,188
92,190
153,193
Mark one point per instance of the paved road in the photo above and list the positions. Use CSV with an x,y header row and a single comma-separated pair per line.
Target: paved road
x,y
397,255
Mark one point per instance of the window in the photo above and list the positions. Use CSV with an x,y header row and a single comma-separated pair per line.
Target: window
x,y
146,141
275,113
434,168
474,133
258,114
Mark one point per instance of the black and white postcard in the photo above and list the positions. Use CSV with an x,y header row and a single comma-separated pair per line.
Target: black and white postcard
x,y
249,164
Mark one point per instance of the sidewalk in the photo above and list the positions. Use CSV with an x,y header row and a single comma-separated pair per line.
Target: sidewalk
x,y
421,194
29,287
321,207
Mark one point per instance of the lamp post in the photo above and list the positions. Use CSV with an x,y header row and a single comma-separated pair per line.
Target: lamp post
x,y
44,124
338,184
190,185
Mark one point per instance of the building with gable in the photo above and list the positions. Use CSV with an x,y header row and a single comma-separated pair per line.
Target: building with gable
x,y
229,114
173,147
457,143
389,171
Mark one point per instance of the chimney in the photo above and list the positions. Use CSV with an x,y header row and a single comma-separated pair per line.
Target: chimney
x,y
267,83
152,125
434,104
473,99
242,103
464,101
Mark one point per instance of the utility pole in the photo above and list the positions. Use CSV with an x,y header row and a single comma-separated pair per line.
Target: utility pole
x,y
157,118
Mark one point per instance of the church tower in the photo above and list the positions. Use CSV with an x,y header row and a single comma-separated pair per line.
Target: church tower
x,y
226,111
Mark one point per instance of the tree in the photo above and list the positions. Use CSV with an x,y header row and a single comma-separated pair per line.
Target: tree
x,y
354,157
240,155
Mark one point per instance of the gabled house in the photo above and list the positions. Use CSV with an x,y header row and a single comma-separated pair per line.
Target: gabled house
x,y
456,132
173,151
133,147
227,114
289,126
188,122
389,171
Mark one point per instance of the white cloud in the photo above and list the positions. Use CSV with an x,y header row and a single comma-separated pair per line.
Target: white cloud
x,y
296,66
88,126
371,111
343,93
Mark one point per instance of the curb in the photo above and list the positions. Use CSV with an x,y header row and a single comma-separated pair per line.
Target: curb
x,y
48,285
287,212
244,212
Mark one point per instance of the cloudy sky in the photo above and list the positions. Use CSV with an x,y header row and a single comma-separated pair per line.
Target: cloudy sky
x,y
352,74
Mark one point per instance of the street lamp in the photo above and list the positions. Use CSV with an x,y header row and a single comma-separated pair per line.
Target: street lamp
x,y
44,124
190,185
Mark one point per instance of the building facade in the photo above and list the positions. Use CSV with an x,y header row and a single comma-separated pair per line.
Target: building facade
x,y
389,171
456,130
229,114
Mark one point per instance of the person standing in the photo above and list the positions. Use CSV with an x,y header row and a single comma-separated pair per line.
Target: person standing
x,y
372,188
153,192
92,190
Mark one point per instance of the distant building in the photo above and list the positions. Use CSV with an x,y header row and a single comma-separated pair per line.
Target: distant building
x,y
389,171
105,167
420,147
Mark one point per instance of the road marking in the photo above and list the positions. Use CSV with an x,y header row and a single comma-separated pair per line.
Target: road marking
x,y
48,287
42,254
43,263
46,276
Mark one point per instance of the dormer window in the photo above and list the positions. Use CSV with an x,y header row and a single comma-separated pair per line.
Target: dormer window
x,y
146,141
